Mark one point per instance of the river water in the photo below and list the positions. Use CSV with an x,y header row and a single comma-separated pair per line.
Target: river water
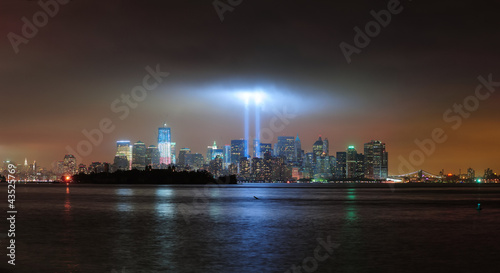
x,y
289,228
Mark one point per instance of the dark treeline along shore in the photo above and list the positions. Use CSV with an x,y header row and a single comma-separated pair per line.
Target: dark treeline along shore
x,y
168,176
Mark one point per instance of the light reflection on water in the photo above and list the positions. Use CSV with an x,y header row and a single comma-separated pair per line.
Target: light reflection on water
x,y
84,228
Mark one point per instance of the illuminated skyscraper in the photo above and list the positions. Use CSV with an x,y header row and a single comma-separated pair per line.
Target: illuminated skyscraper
x,y
351,157
266,148
238,150
318,147
123,148
326,147
297,152
215,166
173,151
285,147
340,170
227,156
195,161
164,145
376,166
244,165
210,153
139,156
257,169
256,148
182,156
153,157
69,164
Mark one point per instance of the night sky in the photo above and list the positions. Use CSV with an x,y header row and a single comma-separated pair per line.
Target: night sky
x,y
397,89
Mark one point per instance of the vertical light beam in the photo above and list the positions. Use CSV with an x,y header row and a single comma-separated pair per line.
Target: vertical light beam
x,y
257,129
247,125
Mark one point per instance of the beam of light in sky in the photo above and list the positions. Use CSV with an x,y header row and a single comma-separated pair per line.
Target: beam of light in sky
x,y
256,97
247,125
257,128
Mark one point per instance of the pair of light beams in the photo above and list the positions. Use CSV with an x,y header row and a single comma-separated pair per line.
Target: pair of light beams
x,y
256,98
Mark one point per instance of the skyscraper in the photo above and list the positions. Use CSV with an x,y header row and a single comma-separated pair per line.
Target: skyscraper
x,y
215,166
227,156
266,148
195,161
340,168
256,148
182,156
297,152
210,153
120,163
69,164
238,150
285,147
244,165
351,156
139,156
360,166
123,148
164,145
376,164
153,157
326,147
173,151
318,147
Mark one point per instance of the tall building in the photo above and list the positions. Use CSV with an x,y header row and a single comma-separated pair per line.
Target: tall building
x,y
82,168
322,171
297,152
256,148
341,167
227,156
165,145
123,148
244,165
210,153
267,167
139,156
257,169
182,156
309,165
279,169
215,166
360,166
69,165
238,150
96,167
376,160
351,156
173,151
326,147
471,174
266,148
318,147
195,161
120,163
285,147
153,157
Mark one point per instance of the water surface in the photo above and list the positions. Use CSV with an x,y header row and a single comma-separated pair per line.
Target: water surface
x,y
137,228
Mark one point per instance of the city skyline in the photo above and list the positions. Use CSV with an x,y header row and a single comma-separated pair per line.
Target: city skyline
x,y
250,152
398,88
